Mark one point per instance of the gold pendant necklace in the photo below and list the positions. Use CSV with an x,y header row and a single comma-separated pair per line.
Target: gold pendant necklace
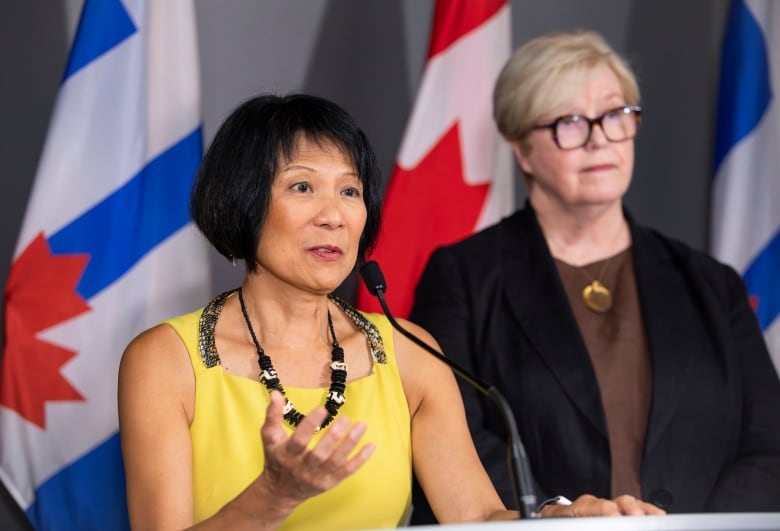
x,y
597,297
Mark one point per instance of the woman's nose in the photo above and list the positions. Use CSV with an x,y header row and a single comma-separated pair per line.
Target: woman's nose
x,y
329,213
597,136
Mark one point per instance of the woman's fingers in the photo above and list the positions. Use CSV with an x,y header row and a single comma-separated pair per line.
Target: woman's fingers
x,y
630,505
322,452
272,432
299,440
351,466
339,462
313,463
585,505
331,454
588,505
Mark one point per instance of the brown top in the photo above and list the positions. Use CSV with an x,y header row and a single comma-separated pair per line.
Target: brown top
x,y
617,345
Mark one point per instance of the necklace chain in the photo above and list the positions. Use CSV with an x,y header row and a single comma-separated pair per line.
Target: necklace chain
x,y
595,295
598,277
269,377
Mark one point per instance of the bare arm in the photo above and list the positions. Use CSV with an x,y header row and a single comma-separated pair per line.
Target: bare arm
x,y
156,396
445,460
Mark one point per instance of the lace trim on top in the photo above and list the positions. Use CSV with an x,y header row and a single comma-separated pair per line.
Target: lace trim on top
x,y
208,320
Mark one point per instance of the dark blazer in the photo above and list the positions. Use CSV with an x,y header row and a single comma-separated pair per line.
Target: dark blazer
x,y
496,305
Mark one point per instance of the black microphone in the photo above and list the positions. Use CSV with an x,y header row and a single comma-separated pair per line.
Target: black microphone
x,y
519,470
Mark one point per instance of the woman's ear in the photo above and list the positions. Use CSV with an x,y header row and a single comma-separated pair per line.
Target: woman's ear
x,y
521,156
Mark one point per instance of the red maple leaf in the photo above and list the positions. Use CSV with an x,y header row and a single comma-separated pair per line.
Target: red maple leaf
x,y
425,207
40,292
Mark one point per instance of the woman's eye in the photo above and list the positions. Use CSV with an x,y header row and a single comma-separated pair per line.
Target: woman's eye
x,y
351,192
301,187
569,120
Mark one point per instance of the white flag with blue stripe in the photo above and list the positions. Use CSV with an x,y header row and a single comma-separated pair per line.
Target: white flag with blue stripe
x,y
106,249
746,189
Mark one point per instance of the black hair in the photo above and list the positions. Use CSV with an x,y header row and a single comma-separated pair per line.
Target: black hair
x,y
231,191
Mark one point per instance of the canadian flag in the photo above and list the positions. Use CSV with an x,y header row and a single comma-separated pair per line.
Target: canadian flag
x,y
454,173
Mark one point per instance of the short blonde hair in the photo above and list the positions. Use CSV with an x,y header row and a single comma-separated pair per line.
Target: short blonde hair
x,y
544,73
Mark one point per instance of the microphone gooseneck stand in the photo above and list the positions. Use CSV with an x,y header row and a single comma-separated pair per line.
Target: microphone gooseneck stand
x,y
520,472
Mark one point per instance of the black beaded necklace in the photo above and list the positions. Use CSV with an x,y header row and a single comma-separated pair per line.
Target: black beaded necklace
x,y
338,374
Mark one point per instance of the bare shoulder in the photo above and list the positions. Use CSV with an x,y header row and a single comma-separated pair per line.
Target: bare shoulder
x,y
159,345
420,371
408,349
156,364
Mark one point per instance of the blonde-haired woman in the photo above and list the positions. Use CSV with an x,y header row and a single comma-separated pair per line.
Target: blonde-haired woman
x,y
634,364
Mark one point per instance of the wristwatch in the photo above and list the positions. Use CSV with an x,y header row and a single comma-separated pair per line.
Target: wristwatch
x,y
557,500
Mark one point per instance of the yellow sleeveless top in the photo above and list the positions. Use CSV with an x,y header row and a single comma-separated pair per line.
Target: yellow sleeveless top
x,y
227,451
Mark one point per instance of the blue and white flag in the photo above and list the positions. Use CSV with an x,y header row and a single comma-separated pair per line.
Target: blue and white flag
x,y
106,249
746,190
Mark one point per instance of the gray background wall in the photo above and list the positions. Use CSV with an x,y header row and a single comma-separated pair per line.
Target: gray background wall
x,y
368,55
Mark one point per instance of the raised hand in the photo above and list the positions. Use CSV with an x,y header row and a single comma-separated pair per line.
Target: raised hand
x,y
296,472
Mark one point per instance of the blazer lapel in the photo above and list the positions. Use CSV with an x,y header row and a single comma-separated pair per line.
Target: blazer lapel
x,y
667,323
543,314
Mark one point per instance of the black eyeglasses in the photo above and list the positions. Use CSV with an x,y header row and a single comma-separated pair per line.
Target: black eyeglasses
x,y
574,130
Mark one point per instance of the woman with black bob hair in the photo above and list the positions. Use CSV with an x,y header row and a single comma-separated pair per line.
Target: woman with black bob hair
x,y
278,405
